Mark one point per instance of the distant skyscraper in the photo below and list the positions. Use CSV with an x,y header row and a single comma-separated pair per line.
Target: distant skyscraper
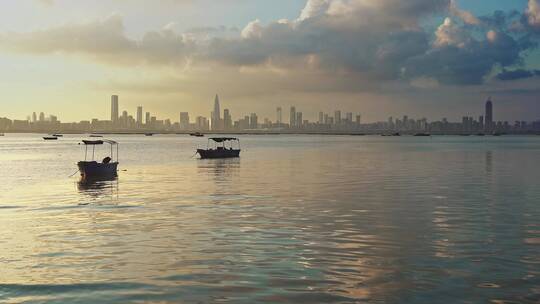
x,y
337,117
299,120
227,120
114,108
292,117
321,118
349,117
41,117
279,116
358,119
489,115
139,116
481,122
253,121
184,120
216,115
34,117
147,118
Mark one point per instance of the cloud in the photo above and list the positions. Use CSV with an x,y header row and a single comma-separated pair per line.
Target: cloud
x,y
517,74
466,16
46,2
103,40
363,39
533,13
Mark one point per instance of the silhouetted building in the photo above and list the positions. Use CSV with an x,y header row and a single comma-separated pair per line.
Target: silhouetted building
x,y
114,109
489,115
337,117
279,116
139,116
216,115
227,120
184,120
292,117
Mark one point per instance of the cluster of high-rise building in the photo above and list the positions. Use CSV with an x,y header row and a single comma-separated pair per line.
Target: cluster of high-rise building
x,y
222,121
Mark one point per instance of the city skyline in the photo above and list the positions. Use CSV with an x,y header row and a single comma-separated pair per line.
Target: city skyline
x,y
340,122
370,56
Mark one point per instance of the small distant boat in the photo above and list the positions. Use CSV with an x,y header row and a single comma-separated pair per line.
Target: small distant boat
x,y
95,135
50,138
58,135
480,134
214,151
1,134
148,134
106,168
197,134
497,134
422,134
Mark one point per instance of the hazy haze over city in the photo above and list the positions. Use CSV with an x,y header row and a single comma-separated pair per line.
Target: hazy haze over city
x,y
425,58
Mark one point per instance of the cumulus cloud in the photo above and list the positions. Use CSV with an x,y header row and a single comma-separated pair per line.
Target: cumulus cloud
x,y
364,39
533,13
464,15
517,74
103,40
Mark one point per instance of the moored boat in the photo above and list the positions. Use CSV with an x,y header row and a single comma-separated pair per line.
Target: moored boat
x,y
213,150
422,134
197,134
50,138
106,168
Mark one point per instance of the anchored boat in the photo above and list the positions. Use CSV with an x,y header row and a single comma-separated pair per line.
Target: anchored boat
x,y
93,169
217,148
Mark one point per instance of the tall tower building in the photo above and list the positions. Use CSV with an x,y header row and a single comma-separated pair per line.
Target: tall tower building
x,y
139,116
489,115
292,117
114,108
321,118
41,117
184,120
34,117
216,115
227,120
147,118
337,117
279,116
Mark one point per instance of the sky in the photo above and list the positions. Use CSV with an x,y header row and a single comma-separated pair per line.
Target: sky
x,y
380,58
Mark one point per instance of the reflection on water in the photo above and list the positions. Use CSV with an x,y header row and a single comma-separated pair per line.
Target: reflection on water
x,y
98,187
298,219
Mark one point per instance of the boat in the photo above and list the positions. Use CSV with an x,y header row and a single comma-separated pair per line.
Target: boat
x,y
393,134
497,134
1,134
197,134
58,135
213,150
480,134
422,134
148,134
108,167
50,138
95,135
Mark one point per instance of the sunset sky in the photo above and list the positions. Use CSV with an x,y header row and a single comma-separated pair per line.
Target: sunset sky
x,y
424,58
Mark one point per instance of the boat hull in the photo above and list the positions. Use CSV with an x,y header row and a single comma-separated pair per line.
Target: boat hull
x,y
213,153
95,169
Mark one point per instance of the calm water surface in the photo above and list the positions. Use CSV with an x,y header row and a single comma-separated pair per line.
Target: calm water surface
x,y
298,219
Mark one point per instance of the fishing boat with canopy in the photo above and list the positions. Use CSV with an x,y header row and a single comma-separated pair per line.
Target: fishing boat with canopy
x,y
221,147
106,168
